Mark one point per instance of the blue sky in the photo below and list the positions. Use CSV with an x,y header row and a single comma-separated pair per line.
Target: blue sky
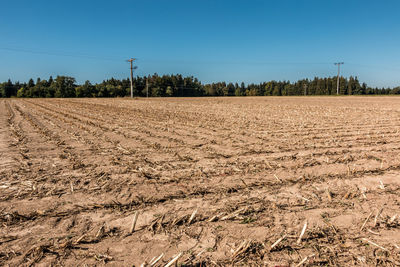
x,y
214,40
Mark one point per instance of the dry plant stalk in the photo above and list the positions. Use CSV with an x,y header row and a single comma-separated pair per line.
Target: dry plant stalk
x,y
304,260
100,232
277,178
373,232
192,216
381,185
374,244
232,215
201,252
329,194
215,217
303,198
242,248
80,238
173,260
244,183
377,215
302,232
135,217
155,260
393,219
365,222
160,222
278,241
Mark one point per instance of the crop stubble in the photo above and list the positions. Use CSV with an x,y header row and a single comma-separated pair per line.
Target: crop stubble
x,y
217,181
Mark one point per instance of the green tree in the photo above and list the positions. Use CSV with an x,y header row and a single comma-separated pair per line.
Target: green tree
x,y
8,89
169,91
64,86
269,88
277,90
31,83
22,92
85,90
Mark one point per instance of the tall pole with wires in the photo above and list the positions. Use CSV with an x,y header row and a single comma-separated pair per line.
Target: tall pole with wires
x,y
132,68
338,75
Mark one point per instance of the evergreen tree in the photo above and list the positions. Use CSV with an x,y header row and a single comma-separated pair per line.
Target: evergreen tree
x,y
31,83
176,85
8,89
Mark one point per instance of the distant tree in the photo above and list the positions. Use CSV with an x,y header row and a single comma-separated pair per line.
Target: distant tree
x,y
277,90
31,83
351,86
229,90
242,89
269,88
251,92
357,89
64,86
363,90
39,90
343,86
169,91
101,90
8,89
395,91
289,89
22,92
176,85
50,82
209,89
85,90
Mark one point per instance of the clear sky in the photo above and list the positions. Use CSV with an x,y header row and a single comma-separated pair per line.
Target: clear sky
x,y
214,40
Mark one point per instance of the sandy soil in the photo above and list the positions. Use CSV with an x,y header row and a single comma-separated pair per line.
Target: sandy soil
x,y
211,181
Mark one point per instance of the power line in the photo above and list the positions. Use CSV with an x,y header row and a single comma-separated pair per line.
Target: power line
x,y
67,54
233,62
377,67
62,54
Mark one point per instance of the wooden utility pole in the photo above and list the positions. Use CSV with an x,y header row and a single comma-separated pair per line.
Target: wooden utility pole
x,y
338,75
131,61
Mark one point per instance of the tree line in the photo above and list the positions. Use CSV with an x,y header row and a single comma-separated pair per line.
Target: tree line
x,y
179,86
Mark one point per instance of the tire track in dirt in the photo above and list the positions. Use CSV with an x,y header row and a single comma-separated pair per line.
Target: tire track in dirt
x,y
4,136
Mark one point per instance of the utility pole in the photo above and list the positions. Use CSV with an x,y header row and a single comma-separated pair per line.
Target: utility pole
x,y
132,68
338,75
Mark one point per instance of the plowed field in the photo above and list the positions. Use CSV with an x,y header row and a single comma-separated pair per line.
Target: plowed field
x,y
290,181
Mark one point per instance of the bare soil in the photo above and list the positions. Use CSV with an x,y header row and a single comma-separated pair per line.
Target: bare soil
x,y
259,181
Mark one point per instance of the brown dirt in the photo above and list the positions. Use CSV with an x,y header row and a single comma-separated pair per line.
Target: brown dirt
x,y
73,173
